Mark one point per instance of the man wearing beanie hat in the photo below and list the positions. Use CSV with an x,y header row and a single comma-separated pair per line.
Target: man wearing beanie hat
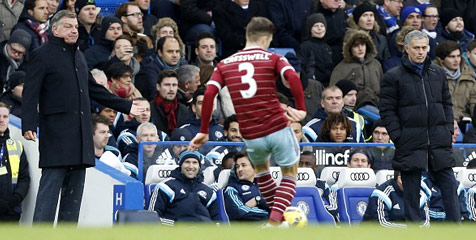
x,y
349,91
453,24
364,17
381,156
89,31
184,197
12,55
97,55
411,16
13,95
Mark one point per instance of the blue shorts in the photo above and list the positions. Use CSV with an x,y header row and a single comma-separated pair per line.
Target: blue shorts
x,y
281,144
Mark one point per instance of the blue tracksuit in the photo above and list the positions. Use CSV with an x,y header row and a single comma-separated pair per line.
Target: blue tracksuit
x,y
312,129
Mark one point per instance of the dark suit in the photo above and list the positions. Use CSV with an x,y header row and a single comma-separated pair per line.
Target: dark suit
x,y
59,81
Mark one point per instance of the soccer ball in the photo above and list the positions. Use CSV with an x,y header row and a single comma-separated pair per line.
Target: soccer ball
x,y
295,217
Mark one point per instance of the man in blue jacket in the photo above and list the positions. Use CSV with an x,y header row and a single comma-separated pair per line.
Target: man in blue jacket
x,y
184,197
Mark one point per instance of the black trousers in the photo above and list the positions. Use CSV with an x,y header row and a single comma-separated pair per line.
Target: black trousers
x,y
68,181
444,179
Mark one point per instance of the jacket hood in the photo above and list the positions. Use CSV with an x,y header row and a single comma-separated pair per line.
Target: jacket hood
x,y
25,15
350,37
354,25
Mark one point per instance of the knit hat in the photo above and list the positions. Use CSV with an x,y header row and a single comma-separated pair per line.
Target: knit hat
x,y
96,107
190,154
79,4
181,134
313,19
107,22
21,37
294,61
448,14
407,11
378,123
361,9
346,86
16,78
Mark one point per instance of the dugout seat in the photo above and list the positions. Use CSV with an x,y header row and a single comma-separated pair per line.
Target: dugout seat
x,y
208,176
467,177
355,187
158,173
309,200
331,174
136,216
221,207
383,176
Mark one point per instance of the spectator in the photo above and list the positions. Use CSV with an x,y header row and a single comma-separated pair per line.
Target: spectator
x,y
189,81
167,27
10,11
226,163
389,10
467,9
336,26
13,95
124,52
381,156
198,204
360,66
153,154
167,58
454,29
396,59
205,50
289,17
104,153
132,25
363,18
196,18
387,205
52,7
231,18
430,19
68,5
231,133
120,83
33,19
315,54
349,90
460,77
336,128
88,29
470,56
331,103
12,55
15,180
420,123
148,20
410,16
97,55
243,200
166,112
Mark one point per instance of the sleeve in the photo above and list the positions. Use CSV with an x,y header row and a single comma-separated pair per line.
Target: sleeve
x,y
277,15
213,87
447,104
213,207
103,96
191,12
237,209
332,200
35,73
160,199
462,202
306,55
379,208
23,184
287,72
388,106
471,203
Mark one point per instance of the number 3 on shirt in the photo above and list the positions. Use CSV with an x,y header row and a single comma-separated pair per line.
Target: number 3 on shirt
x,y
248,78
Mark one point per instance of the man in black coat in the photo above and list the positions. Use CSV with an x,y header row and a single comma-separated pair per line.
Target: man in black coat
x,y
415,106
58,82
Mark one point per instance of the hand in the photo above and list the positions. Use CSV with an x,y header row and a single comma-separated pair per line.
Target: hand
x,y
135,109
124,53
30,135
198,141
286,83
294,115
251,203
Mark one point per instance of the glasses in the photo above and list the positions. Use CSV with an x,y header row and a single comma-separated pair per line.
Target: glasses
x,y
16,52
432,16
136,15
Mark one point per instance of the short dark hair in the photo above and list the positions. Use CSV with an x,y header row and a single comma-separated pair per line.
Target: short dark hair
x,y
445,48
122,9
229,156
228,121
123,37
161,42
165,74
96,118
199,92
30,4
472,45
242,154
117,70
203,36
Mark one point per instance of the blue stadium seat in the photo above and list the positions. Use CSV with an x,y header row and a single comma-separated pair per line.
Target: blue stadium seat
x,y
468,126
148,190
282,51
136,216
221,207
310,201
352,203
108,7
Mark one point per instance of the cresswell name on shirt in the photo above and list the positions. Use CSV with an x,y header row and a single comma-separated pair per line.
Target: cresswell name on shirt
x,y
247,57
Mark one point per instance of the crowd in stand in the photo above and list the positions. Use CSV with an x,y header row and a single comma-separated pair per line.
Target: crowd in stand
x,y
161,54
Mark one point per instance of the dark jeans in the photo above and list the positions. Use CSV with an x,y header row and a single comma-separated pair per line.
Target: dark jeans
x,y
444,179
70,181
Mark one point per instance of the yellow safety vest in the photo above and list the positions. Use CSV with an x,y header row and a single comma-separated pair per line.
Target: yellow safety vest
x,y
14,149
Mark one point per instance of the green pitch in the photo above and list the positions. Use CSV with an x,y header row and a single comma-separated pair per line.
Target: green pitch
x,y
241,232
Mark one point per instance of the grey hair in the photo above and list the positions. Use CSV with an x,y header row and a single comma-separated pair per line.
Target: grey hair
x,y
56,20
414,35
186,73
145,125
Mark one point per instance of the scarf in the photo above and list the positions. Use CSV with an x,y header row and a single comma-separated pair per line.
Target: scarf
x,y
431,34
122,92
453,75
163,65
390,22
12,68
40,29
169,110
